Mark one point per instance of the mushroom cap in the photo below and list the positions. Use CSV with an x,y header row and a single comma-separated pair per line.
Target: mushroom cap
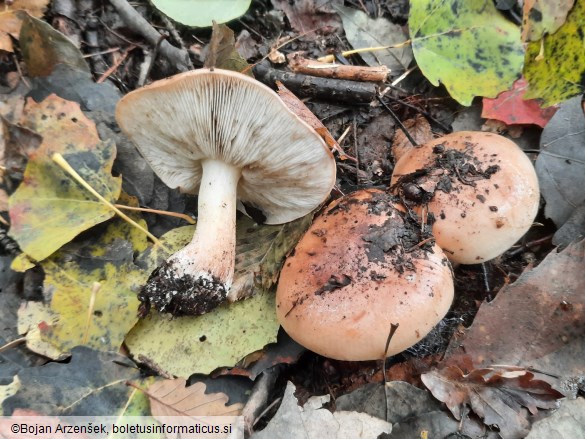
x,y
287,169
479,221
349,279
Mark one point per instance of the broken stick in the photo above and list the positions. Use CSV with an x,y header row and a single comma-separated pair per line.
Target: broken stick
x,y
299,64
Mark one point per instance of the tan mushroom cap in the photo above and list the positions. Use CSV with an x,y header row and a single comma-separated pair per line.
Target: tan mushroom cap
x,y
287,170
480,221
340,290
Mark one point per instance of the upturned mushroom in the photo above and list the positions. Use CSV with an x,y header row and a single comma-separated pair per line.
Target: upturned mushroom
x,y
224,136
362,266
480,187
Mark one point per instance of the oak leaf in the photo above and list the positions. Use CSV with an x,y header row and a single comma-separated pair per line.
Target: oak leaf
x,y
495,395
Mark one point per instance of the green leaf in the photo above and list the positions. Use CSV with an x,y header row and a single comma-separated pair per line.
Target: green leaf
x,y
49,208
557,73
467,45
186,345
94,289
201,13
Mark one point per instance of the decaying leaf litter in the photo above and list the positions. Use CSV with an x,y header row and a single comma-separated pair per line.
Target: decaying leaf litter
x,y
90,263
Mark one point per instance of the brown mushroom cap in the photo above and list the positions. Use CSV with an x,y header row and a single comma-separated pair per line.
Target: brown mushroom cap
x,y
493,196
356,271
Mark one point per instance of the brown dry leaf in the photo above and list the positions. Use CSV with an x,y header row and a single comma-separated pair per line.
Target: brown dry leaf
x,y
542,313
5,40
172,398
495,395
311,15
222,51
17,143
420,130
297,106
12,16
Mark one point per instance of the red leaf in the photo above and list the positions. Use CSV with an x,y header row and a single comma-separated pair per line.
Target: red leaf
x,y
510,108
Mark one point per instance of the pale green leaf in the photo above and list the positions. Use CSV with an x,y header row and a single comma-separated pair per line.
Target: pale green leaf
x,y
201,13
468,46
185,345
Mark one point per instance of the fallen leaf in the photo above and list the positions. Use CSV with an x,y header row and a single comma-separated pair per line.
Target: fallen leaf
x,y
395,403
468,46
493,395
201,13
33,319
314,421
12,16
555,65
299,108
539,320
173,403
310,15
77,86
560,165
94,289
7,391
19,143
49,208
11,360
541,17
201,344
511,108
418,128
138,402
43,48
411,411
363,32
567,422
284,351
222,51
573,229
173,398
92,384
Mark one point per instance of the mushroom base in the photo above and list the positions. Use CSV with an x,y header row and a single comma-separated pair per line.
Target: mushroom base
x,y
180,295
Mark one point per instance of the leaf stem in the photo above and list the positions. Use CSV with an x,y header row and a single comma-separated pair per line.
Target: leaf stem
x,y
160,212
331,58
60,160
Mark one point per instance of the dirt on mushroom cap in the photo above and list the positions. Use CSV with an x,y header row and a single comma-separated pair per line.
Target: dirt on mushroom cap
x,y
361,267
480,188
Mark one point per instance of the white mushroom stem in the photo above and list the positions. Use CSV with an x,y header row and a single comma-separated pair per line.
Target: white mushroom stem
x,y
211,253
